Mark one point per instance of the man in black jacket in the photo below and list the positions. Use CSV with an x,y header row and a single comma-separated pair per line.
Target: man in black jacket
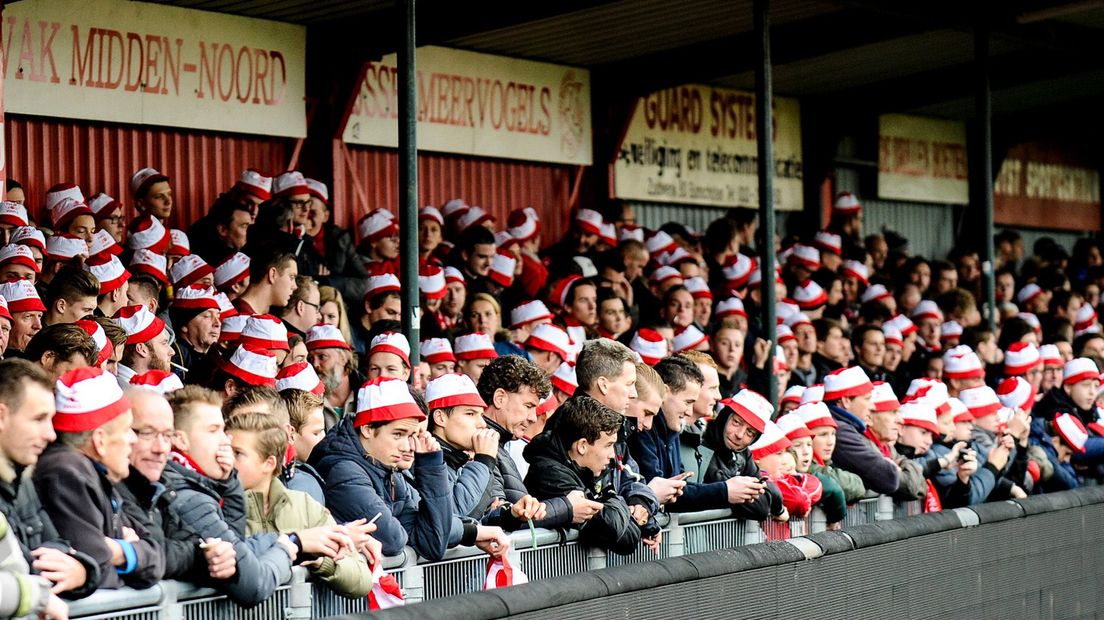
x,y
730,435
26,413
76,479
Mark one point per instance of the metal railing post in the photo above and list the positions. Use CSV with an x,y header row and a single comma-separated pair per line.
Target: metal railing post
x,y
676,539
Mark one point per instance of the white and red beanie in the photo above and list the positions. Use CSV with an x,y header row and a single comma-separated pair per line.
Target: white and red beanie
x,y
557,296
67,210
18,255
875,292
318,190
796,320
784,334
902,324
828,242
738,270
452,390
141,181
151,263
950,330
391,342
564,379
1032,320
813,394
855,269
265,331
846,203
160,381
650,345
689,338
299,376
1050,355
1086,320
474,346
659,243
1016,393
1029,292
816,415
608,235
631,232
104,244
752,408
431,213
503,265
981,401
793,427
676,257
231,271
431,281
958,411
962,363
13,214
63,191
385,399
255,183
232,327
771,441
805,256
785,309
793,394
453,275
1020,358
86,399
99,336
548,337
253,365
29,236
195,297
139,323
1071,430
325,337
665,274
698,287
64,247
109,271
523,224
927,309
892,335
474,216
454,209
1079,369
147,233
931,392
809,295
589,221
529,312
846,383
225,307
920,415
189,269
376,226
290,183
384,283
436,350
733,306
21,296
883,397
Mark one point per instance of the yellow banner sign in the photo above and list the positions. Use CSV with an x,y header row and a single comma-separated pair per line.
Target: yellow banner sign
x,y
134,62
696,145
479,104
922,160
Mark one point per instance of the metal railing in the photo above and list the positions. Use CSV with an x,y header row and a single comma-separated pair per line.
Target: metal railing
x,y
547,554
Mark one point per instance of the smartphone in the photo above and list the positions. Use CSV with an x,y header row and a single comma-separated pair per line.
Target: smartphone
x,y
375,518
684,475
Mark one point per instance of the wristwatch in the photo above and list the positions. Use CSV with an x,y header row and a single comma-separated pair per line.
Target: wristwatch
x,y
294,538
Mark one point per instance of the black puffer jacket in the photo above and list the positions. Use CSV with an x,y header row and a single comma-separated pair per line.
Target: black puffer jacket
x,y
727,464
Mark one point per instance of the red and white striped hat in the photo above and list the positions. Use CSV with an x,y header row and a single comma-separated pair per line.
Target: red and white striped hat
x,y
846,202
793,394
265,331
1086,319
431,281
103,205
190,269
920,415
385,399
474,346
608,235
1032,320
809,295
195,297
805,256
99,336
903,324
21,296
65,247
589,220
564,379
813,394
18,255
1016,393
632,232
104,244
950,330
474,216
689,338
883,397
752,408
146,261
225,307
547,405
252,365
290,183
1071,430
784,334
256,183
139,323
299,376
793,426
391,342
377,225
892,335
326,337
147,233
529,312
231,271
548,337
846,382
452,390
502,268
179,245
795,320
929,391
738,270
829,242
430,212
108,270
29,236
1078,370
436,350
771,441
785,309
1029,292
86,399
384,283
927,309
454,208
664,274
962,363
733,306
160,381
815,415
453,275
650,345
143,179
855,269
318,190
232,327
981,401
13,214
698,287
676,257
958,410
60,192
523,224
1050,355
659,243
875,292
1020,358
557,296
67,210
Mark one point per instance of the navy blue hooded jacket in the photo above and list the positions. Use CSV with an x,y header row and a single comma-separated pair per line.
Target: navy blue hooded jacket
x,y
658,454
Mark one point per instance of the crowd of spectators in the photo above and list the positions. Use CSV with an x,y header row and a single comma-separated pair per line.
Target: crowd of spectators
x,y
218,405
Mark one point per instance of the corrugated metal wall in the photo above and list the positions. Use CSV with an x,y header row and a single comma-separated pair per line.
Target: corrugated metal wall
x,y
102,157
365,178
929,228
